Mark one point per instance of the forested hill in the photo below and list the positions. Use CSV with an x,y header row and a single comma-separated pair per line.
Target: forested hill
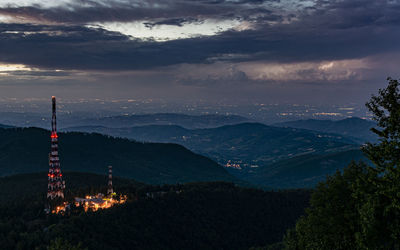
x,y
25,150
191,216
356,128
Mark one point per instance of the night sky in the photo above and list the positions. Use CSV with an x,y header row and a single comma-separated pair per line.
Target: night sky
x,y
302,51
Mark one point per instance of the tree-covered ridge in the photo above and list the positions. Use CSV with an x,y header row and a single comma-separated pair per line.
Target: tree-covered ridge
x,y
24,150
190,216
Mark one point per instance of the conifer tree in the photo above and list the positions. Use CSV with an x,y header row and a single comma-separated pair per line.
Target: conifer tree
x,y
359,208
380,210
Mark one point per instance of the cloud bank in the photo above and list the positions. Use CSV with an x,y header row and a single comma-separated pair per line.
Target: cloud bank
x,y
247,41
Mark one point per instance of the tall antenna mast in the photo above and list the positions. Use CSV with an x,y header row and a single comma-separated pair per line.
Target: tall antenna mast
x,y
55,187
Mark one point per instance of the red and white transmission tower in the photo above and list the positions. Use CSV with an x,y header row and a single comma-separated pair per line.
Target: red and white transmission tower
x,y
55,187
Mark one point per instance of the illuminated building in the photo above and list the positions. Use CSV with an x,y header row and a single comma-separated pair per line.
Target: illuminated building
x,y
99,201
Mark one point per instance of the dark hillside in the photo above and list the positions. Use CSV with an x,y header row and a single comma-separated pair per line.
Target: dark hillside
x,y
24,150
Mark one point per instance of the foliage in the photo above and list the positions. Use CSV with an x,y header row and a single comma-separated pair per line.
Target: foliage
x,y
385,107
360,208
332,220
61,244
381,212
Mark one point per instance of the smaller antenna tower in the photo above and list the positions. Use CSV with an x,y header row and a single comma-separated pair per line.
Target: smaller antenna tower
x,y
110,190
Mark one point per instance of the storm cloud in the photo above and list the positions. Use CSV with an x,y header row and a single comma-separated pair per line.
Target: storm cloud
x,y
326,31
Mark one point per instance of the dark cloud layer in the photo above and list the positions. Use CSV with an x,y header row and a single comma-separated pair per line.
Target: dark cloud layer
x,y
329,30
107,11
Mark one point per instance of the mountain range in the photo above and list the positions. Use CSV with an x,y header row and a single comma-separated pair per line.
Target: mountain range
x,y
72,119
251,143
265,155
270,156
183,120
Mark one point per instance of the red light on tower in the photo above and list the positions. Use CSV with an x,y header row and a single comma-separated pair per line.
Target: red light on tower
x,y
54,135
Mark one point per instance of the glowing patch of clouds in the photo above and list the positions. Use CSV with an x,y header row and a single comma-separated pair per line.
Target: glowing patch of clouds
x,y
28,33
306,71
245,26
326,66
328,71
5,68
25,72
169,32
